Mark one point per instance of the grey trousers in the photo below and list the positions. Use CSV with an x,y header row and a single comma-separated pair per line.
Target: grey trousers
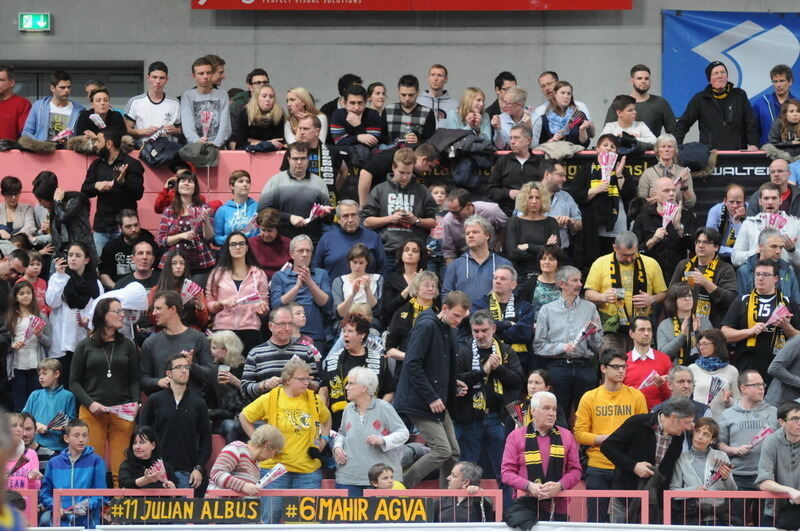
x,y
441,439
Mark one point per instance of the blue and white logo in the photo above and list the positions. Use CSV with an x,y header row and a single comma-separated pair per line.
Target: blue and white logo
x,y
749,44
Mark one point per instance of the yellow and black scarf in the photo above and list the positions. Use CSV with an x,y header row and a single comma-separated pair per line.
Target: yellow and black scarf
x,y
778,337
607,209
686,349
510,314
639,284
533,456
726,225
417,308
478,396
702,307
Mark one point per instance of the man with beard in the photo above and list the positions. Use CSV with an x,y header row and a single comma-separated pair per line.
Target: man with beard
x,y
653,110
116,260
143,273
117,181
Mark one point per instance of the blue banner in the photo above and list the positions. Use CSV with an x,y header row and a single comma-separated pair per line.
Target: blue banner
x,y
749,44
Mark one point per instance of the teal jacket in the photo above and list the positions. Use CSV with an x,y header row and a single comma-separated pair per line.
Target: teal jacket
x,y
87,472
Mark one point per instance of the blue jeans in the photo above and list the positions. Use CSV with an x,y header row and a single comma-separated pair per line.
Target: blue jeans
x,y
272,506
487,435
598,479
182,478
353,491
101,239
571,381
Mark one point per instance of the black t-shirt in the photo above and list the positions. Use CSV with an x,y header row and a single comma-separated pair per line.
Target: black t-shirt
x,y
757,357
379,166
148,283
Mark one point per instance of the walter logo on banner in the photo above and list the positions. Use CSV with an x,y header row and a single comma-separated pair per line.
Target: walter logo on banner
x,y
749,44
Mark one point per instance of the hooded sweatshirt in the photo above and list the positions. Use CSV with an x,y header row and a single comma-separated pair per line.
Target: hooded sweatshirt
x,y
738,426
86,472
777,449
232,216
442,106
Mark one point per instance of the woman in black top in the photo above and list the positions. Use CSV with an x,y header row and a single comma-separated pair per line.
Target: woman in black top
x,y
137,471
261,119
411,257
532,230
101,106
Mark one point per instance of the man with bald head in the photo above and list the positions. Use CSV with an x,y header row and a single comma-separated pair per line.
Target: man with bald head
x,y
779,174
667,245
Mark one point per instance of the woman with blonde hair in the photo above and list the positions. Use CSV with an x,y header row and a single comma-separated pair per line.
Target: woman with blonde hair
x,y
261,119
226,350
471,114
532,229
236,466
300,102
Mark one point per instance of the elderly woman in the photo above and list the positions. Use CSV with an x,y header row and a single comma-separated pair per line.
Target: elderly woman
x,y
677,334
532,229
305,423
371,433
535,487
471,114
423,292
714,362
300,102
226,350
236,466
666,148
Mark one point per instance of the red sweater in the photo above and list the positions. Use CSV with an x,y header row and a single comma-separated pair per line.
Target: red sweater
x,y
638,371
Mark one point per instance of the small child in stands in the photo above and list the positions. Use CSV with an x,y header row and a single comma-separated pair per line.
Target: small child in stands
x,y
381,476
434,244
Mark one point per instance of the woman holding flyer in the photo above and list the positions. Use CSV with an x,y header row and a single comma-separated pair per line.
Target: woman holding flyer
x,y
238,292
714,378
105,381
238,213
143,468
176,276
236,467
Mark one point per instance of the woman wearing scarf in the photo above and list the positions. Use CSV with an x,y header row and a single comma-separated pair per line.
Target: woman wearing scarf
x,y
539,461
559,114
666,149
602,201
71,291
677,334
713,372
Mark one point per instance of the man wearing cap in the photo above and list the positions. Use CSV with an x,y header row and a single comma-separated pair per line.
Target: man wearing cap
x,y
723,113
147,113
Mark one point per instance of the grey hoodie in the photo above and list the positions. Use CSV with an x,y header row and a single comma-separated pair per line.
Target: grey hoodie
x,y
442,106
738,426
776,449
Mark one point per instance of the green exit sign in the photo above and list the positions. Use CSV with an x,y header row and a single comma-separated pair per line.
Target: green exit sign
x,y
34,22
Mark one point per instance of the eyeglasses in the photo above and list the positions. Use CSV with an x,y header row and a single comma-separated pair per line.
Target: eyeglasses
x,y
181,368
759,384
260,82
281,325
237,244
704,343
307,379
764,275
618,366
793,419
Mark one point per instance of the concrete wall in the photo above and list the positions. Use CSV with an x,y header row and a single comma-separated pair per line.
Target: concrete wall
x,y
593,50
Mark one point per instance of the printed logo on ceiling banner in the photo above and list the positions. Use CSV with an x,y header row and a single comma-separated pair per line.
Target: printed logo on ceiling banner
x,y
749,44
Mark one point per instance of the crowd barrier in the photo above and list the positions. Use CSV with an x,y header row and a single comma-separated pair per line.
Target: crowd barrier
x,y
746,168
495,495
58,494
680,507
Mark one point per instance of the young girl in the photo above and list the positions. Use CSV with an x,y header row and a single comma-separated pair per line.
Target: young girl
x,y
694,470
358,286
434,244
31,275
786,129
26,353
21,474
137,471
72,289
558,115
176,271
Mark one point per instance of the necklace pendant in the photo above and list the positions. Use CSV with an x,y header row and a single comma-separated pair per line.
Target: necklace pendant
x,y
108,374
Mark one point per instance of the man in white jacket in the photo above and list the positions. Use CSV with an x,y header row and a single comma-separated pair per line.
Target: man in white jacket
x,y
769,199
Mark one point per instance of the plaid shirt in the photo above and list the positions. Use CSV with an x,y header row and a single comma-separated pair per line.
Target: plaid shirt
x,y
398,121
197,251
663,440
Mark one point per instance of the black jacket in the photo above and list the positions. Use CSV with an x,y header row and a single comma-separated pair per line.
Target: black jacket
x,y
124,194
133,468
508,174
69,222
429,368
184,431
727,124
673,248
633,442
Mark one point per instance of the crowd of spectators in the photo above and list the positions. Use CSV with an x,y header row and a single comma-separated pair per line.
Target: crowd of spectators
x,y
356,309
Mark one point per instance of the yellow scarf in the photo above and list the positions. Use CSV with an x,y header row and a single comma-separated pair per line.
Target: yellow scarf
x,y
509,315
778,338
613,189
685,353
702,307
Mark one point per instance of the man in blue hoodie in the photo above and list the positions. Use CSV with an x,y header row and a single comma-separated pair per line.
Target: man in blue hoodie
x,y
767,107
77,467
51,115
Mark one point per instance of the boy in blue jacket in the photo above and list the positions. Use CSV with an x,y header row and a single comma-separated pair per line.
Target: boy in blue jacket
x,y
77,467
45,403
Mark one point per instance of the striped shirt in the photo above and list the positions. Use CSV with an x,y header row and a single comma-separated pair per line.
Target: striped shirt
x,y
234,468
267,360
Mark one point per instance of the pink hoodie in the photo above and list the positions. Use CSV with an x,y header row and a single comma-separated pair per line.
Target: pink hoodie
x,y
241,316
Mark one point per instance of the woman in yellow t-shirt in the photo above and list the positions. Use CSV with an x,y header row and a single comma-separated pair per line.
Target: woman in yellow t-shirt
x,y
305,423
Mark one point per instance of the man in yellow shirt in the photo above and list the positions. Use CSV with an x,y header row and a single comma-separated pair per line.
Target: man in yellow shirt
x,y
623,285
600,412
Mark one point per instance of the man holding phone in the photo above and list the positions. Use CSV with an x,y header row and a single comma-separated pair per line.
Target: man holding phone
x,y
399,208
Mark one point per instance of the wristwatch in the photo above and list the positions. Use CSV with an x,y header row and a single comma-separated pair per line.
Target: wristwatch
x,y
198,468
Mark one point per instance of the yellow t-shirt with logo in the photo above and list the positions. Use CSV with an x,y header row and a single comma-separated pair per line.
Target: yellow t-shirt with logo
x,y
599,279
298,429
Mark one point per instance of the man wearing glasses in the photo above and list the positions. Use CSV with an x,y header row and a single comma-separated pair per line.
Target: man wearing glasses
x,y
727,218
779,174
745,324
738,425
514,169
460,208
769,199
256,79
600,412
517,113
504,81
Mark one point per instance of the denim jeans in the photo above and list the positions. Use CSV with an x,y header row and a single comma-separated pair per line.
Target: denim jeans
x,y
598,479
272,506
487,435
101,239
182,479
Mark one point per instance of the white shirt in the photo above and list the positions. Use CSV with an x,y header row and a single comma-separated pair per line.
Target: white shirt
x,y
638,129
649,355
145,113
